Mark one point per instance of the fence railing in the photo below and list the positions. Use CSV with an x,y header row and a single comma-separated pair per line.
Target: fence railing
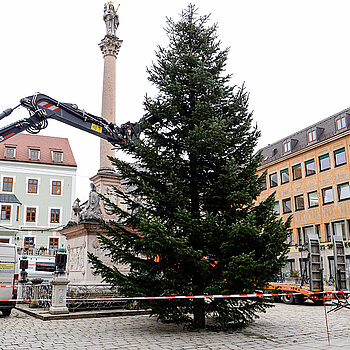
x,y
79,297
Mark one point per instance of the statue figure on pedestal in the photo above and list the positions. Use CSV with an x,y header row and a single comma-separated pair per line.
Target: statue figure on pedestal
x,y
111,18
92,211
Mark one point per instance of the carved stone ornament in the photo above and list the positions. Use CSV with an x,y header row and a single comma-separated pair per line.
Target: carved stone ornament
x,y
111,18
110,45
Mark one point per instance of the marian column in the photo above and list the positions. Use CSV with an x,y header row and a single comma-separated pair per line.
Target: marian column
x,y
110,46
107,178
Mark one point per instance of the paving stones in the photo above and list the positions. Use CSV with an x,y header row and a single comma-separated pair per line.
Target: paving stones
x,y
282,327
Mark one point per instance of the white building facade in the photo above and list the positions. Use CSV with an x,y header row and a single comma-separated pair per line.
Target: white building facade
x,y
37,189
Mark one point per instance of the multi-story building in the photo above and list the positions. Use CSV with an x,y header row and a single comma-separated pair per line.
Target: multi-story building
x,y
309,172
37,189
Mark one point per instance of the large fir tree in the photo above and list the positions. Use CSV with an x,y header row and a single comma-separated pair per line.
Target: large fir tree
x,y
193,226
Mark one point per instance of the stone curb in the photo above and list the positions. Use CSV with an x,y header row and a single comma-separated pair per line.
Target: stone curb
x,y
44,315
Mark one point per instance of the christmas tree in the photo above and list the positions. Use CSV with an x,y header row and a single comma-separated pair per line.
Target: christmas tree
x,y
193,226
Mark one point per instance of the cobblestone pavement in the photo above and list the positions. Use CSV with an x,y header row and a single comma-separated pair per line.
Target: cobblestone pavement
x,y
282,327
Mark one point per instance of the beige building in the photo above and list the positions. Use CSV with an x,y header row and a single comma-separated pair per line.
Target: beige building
x,y
309,171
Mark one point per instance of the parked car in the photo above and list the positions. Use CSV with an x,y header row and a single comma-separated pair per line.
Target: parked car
x,y
8,277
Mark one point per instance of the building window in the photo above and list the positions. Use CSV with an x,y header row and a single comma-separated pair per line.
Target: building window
x,y
343,191
17,214
341,123
28,242
310,167
286,147
327,195
324,162
313,199
306,231
34,154
273,180
284,176
31,215
53,242
297,173
5,212
56,187
263,183
32,186
287,205
276,208
328,232
55,216
338,228
57,157
10,152
299,202
311,135
340,157
7,184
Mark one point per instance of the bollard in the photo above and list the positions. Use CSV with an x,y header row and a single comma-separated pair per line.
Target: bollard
x,y
59,285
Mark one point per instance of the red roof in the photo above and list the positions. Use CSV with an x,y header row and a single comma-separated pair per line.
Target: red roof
x,y
45,144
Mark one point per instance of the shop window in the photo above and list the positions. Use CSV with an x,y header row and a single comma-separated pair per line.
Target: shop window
x,y
327,195
287,205
310,167
343,191
325,162
273,180
7,184
5,212
284,176
312,199
340,157
297,173
32,186
31,215
299,202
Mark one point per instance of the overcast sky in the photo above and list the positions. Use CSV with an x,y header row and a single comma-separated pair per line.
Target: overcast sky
x,y
292,55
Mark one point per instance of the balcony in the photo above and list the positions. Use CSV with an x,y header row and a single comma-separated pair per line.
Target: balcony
x,y
37,251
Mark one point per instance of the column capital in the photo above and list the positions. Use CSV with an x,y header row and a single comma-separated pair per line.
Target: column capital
x,y
110,45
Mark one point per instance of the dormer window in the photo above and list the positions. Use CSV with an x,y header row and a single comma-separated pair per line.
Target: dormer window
x,y
286,147
34,154
311,135
341,123
57,157
274,152
10,152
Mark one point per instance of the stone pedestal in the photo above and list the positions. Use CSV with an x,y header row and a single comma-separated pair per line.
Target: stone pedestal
x,y
81,239
59,295
105,181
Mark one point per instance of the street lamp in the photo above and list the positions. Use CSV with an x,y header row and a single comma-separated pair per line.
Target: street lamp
x,y
61,261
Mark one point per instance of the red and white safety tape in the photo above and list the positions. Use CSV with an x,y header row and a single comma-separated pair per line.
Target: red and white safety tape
x,y
207,296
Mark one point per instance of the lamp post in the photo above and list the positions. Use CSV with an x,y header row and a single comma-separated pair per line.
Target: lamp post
x,y
59,284
23,265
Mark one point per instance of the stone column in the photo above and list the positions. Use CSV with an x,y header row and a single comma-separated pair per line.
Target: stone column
x,y
110,46
59,295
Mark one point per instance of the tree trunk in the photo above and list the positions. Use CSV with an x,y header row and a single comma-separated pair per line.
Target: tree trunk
x,y
199,314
